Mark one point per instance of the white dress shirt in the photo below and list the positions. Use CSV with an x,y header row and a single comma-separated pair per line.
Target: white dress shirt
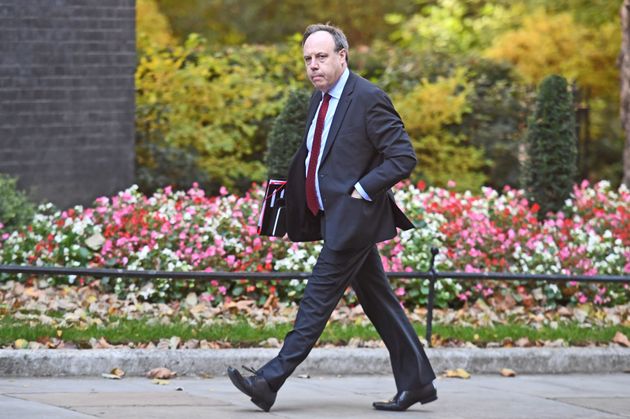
x,y
335,95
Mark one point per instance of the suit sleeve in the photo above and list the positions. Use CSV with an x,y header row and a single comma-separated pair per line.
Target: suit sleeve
x,y
386,132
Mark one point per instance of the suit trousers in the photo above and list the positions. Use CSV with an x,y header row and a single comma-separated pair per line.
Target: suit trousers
x,y
363,270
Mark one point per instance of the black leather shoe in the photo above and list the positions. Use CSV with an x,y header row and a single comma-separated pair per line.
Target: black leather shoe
x,y
403,399
254,386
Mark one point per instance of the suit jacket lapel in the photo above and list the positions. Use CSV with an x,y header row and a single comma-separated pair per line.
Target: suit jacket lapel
x,y
312,108
340,113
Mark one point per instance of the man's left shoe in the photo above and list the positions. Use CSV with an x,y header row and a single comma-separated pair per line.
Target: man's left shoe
x,y
255,386
404,399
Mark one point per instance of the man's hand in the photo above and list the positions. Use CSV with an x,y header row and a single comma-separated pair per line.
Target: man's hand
x,y
356,195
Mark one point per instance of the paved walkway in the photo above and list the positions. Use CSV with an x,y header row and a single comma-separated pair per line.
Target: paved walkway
x,y
482,396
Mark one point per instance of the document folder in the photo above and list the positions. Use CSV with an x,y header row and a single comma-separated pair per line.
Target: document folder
x,y
272,221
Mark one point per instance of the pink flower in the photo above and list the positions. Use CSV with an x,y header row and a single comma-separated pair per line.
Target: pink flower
x,y
206,297
400,291
230,260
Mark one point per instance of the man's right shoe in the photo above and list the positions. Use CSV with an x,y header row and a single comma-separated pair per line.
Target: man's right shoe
x,y
255,386
404,399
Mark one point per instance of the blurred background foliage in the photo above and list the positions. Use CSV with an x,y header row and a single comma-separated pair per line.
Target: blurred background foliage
x,y
214,74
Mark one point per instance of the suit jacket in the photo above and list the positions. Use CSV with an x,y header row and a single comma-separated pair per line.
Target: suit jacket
x,y
367,143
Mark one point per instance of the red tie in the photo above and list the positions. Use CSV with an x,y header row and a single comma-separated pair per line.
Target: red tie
x,y
311,193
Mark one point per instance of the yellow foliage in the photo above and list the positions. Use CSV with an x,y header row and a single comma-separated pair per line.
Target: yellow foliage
x,y
214,103
556,44
427,111
152,27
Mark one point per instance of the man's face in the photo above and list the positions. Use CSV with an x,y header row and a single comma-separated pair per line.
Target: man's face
x,y
324,65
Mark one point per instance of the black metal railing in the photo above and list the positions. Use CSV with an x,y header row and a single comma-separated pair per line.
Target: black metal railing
x,y
432,275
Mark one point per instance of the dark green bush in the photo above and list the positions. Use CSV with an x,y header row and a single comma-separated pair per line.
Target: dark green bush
x,y
159,164
15,208
551,146
287,134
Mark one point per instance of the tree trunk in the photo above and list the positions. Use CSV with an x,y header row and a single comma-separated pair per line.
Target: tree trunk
x,y
625,86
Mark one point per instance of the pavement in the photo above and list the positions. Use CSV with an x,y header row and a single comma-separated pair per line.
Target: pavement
x,y
481,396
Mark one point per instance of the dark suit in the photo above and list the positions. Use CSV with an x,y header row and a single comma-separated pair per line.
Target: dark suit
x,y
366,143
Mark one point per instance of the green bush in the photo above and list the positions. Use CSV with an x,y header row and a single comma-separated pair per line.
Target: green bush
x,y
159,164
218,103
287,134
15,208
551,146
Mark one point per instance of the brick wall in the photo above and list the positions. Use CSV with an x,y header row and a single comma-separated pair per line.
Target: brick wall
x,y
67,97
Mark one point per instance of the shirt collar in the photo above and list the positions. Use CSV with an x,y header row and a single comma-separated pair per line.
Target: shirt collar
x,y
337,89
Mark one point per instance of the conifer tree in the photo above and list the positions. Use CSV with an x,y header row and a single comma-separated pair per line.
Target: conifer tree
x,y
551,146
287,134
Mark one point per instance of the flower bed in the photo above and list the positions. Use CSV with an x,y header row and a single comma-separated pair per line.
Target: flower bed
x,y
188,231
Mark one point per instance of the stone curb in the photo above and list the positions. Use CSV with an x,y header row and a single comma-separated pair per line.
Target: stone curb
x,y
321,361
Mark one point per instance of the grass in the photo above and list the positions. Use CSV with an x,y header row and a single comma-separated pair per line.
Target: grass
x,y
121,331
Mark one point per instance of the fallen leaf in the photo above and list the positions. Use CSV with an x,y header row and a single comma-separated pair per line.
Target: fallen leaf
x,y
35,345
174,342
506,372
21,344
354,343
111,376
161,373
522,342
100,344
118,372
458,373
558,343
191,344
160,382
621,339
270,343
164,344
191,299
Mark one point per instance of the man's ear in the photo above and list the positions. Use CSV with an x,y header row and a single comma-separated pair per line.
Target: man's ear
x,y
344,55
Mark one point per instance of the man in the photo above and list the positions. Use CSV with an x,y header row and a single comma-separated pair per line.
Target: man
x,y
355,150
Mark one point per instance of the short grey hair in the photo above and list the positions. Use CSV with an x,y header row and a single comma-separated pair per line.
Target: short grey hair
x,y
341,42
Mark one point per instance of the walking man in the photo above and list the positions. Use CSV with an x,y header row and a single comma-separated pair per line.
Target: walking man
x,y
338,189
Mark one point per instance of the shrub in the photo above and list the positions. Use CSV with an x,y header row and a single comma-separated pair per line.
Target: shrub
x,y
287,134
427,111
215,103
551,146
15,207
158,164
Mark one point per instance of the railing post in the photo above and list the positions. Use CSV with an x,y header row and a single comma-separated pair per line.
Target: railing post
x,y
432,279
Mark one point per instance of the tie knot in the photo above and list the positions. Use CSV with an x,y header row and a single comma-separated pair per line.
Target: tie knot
x,y
327,97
